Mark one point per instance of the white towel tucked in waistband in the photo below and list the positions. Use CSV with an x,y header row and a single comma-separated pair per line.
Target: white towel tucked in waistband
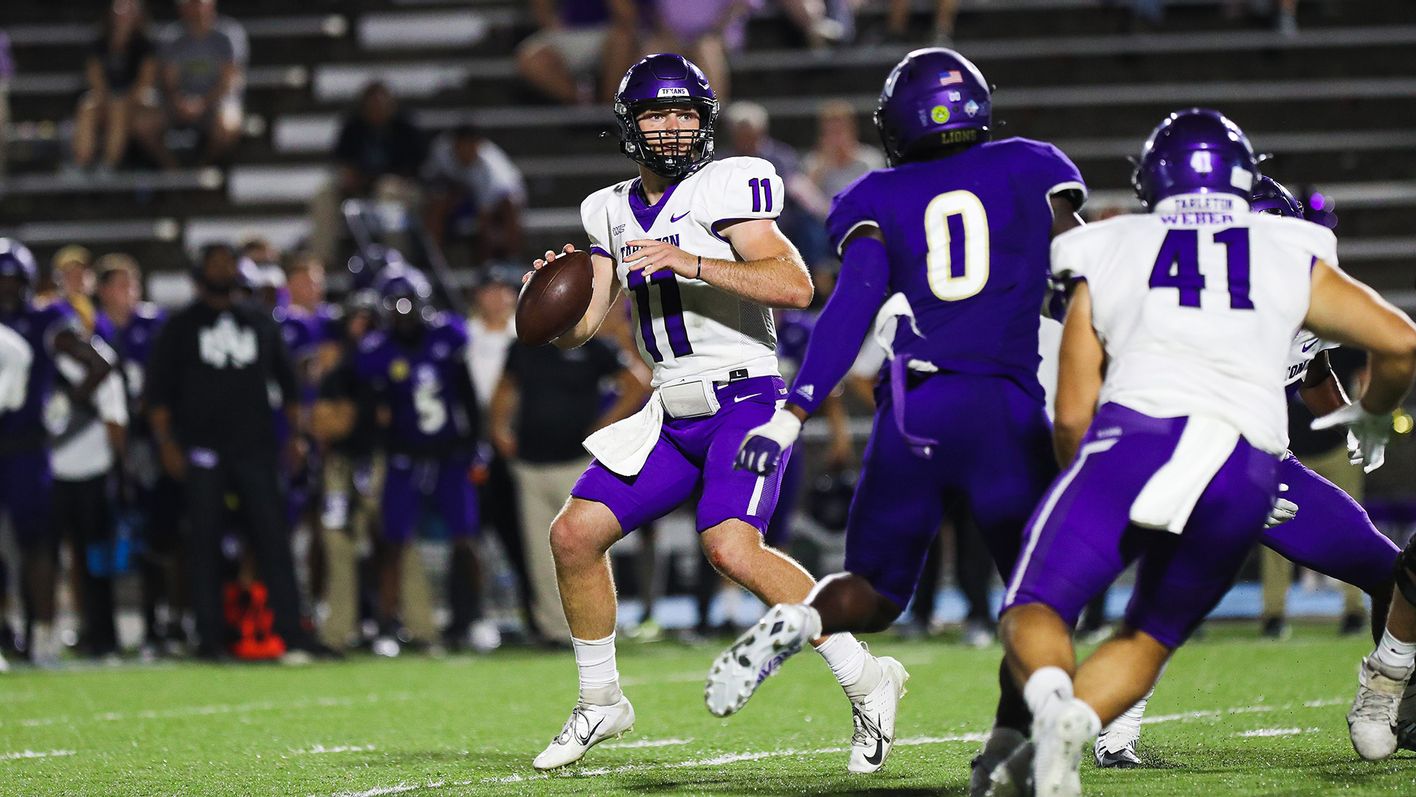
x,y
1167,500
624,446
887,320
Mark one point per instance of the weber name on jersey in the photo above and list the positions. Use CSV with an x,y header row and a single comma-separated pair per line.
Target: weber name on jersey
x,y
1247,275
686,328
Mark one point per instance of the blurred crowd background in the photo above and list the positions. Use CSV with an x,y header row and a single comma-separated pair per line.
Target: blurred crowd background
x,y
313,151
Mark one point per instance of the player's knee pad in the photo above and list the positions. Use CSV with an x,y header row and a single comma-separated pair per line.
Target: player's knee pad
x,y
1406,572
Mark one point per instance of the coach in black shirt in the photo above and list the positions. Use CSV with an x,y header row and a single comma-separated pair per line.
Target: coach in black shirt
x,y
219,372
547,402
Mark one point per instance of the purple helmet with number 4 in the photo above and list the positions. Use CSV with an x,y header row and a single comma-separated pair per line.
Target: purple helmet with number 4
x,y
666,80
1269,196
933,100
1195,151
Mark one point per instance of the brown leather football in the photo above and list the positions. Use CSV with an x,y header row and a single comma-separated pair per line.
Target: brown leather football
x,y
555,298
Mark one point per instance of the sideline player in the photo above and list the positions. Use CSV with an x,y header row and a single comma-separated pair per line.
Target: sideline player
x,y
1179,465
958,227
1381,719
416,367
695,242
1314,523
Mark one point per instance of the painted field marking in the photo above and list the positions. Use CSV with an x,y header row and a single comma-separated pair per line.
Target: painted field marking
x,y
28,754
320,749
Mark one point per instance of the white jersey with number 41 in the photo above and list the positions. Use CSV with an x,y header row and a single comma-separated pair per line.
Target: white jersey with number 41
x,y
686,328
1197,304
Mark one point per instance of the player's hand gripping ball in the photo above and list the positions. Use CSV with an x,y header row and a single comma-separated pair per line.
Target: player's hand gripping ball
x,y
555,296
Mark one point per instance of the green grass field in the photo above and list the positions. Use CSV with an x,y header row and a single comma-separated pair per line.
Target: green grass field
x,y
1234,716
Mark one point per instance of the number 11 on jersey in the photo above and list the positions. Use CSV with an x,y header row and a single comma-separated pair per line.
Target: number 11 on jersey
x,y
671,304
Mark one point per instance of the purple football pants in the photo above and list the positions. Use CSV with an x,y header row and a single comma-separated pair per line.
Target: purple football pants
x,y
694,452
27,494
411,483
1080,538
993,453
1331,533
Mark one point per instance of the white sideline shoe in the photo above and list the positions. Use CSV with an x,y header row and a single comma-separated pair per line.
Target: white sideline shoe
x,y
1059,738
1372,721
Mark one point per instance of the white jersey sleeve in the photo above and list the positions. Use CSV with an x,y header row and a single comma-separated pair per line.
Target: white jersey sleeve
x,y
739,189
595,216
15,358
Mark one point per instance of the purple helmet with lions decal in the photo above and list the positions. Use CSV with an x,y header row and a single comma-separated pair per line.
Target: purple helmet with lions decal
x,y
666,80
934,100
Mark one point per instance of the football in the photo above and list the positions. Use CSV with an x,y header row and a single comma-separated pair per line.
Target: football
x,y
554,299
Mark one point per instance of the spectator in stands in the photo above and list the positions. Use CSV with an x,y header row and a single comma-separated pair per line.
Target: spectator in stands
x,y
121,72
704,31
210,406
475,195
378,154
7,73
804,213
574,37
839,158
897,22
547,402
201,73
817,28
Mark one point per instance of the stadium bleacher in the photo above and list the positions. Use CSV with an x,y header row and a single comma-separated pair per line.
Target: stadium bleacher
x,y
452,61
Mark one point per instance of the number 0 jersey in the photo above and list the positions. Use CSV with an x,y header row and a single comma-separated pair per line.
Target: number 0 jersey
x,y
686,328
967,241
1197,304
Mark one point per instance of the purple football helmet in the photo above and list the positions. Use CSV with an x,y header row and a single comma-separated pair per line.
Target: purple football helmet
x,y
17,261
1269,196
1195,151
403,290
665,80
366,264
935,99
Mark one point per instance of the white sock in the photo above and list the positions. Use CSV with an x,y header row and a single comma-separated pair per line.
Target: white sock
x,y
855,669
1045,686
1395,655
1126,729
599,677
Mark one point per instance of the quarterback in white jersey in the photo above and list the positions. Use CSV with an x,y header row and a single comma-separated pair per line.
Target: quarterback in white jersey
x,y
1171,422
694,243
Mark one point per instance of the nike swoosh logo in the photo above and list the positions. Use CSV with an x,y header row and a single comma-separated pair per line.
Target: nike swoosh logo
x,y
673,219
586,738
875,758
740,399
1309,345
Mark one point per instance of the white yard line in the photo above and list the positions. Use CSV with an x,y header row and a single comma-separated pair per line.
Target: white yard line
x,y
640,744
320,749
1263,733
26,754
212,710
734,758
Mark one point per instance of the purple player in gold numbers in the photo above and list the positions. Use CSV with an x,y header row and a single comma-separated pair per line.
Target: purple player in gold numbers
x,y
1171,417
953,237
26,482
695,243
417,367
1314,523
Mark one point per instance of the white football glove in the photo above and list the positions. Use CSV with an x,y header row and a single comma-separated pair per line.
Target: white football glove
x,y
1283,509
1369,430
761,450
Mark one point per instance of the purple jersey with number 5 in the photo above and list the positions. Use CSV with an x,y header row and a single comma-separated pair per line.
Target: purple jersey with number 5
x,y
967,238
425,385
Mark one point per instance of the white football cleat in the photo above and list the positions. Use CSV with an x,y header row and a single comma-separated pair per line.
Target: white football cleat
x,y
737,672
1059,737
588,726
1372,721
874,718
